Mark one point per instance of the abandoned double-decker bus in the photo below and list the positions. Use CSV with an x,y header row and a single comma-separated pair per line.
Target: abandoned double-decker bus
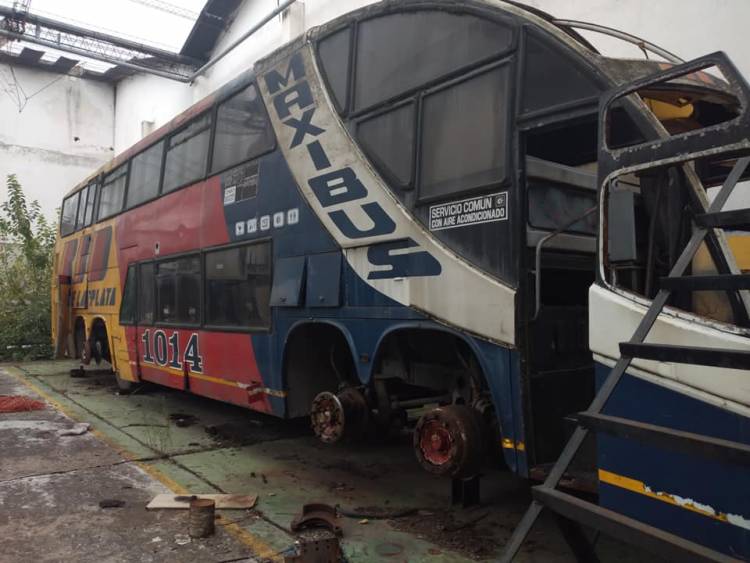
x,y
398,213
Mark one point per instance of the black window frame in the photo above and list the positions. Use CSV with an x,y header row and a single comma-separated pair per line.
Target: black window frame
x,y
93,187
201,293
104,183
163,142
349,111
512,63
203,290
76,195
566,53
214,125
381,167
238,328
139,320
133,320
81,214
342,106
210,113
511,56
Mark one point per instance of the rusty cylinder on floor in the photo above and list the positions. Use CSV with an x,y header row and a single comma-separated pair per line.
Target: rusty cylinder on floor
x,y
201,518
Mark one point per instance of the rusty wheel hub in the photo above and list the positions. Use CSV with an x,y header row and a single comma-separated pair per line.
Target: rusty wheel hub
x,y
436,443
448,441
337,417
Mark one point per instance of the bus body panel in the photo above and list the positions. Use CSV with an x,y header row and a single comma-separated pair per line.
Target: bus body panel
x,y
366,220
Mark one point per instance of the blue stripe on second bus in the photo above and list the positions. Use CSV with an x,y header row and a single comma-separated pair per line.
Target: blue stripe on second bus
x,y
723,487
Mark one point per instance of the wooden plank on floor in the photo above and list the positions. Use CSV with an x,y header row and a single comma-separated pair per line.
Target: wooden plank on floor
x,y
224,502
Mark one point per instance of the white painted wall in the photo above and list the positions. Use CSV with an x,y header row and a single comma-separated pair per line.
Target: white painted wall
x,y
38,143
687,28
146,98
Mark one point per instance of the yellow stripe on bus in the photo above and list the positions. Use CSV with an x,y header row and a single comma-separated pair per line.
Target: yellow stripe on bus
x,y
509,444
211,379
641,488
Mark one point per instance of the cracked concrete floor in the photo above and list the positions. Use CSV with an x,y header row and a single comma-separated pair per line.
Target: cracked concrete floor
x,y
50,488
146,443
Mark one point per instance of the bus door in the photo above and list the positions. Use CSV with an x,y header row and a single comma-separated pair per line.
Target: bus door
x,y
124,342
560,259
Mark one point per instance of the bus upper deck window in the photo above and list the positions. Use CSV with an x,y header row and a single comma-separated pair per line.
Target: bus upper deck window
x,y
403,51
547,65
464,135
243,130
68,217
89,213
112,192
145,170
187,154
335,53
388,139
82,207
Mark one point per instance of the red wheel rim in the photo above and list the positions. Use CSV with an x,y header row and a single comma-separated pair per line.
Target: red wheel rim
x,y
436,443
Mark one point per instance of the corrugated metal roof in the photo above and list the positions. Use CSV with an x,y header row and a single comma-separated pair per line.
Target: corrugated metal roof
x,y
155,23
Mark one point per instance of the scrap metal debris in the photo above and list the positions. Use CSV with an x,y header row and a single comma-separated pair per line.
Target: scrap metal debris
x,y
111,503
317,515
318,550
20,403
75,430
201,518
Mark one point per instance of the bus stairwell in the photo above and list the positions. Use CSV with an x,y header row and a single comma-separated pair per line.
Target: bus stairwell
x,y
729,144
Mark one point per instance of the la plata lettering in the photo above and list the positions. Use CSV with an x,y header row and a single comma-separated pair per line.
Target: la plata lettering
x,y
101,297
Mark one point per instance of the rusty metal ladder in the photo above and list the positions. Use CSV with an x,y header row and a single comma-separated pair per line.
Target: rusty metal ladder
x,y
573,511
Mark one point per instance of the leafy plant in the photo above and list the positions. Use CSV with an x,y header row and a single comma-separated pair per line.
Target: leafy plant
x,y
27,243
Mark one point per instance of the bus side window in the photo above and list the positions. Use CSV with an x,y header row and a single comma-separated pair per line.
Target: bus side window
x,y
89,214
178,291
112,193
243,130
187,154
335,53
145,172
146,293
464,135
128,305
388,139
68,217
81,207
546,65
238,286
400,52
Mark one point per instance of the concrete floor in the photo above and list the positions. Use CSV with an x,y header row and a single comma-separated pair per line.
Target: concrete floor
x,y
50,486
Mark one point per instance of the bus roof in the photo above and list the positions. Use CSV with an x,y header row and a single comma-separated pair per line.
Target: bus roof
x,y
616,71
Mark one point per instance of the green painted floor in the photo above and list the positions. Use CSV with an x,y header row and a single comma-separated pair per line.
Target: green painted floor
x,y
231,450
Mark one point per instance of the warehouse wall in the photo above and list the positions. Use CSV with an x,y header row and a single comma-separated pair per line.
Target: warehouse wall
x,y
144,103
61,135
